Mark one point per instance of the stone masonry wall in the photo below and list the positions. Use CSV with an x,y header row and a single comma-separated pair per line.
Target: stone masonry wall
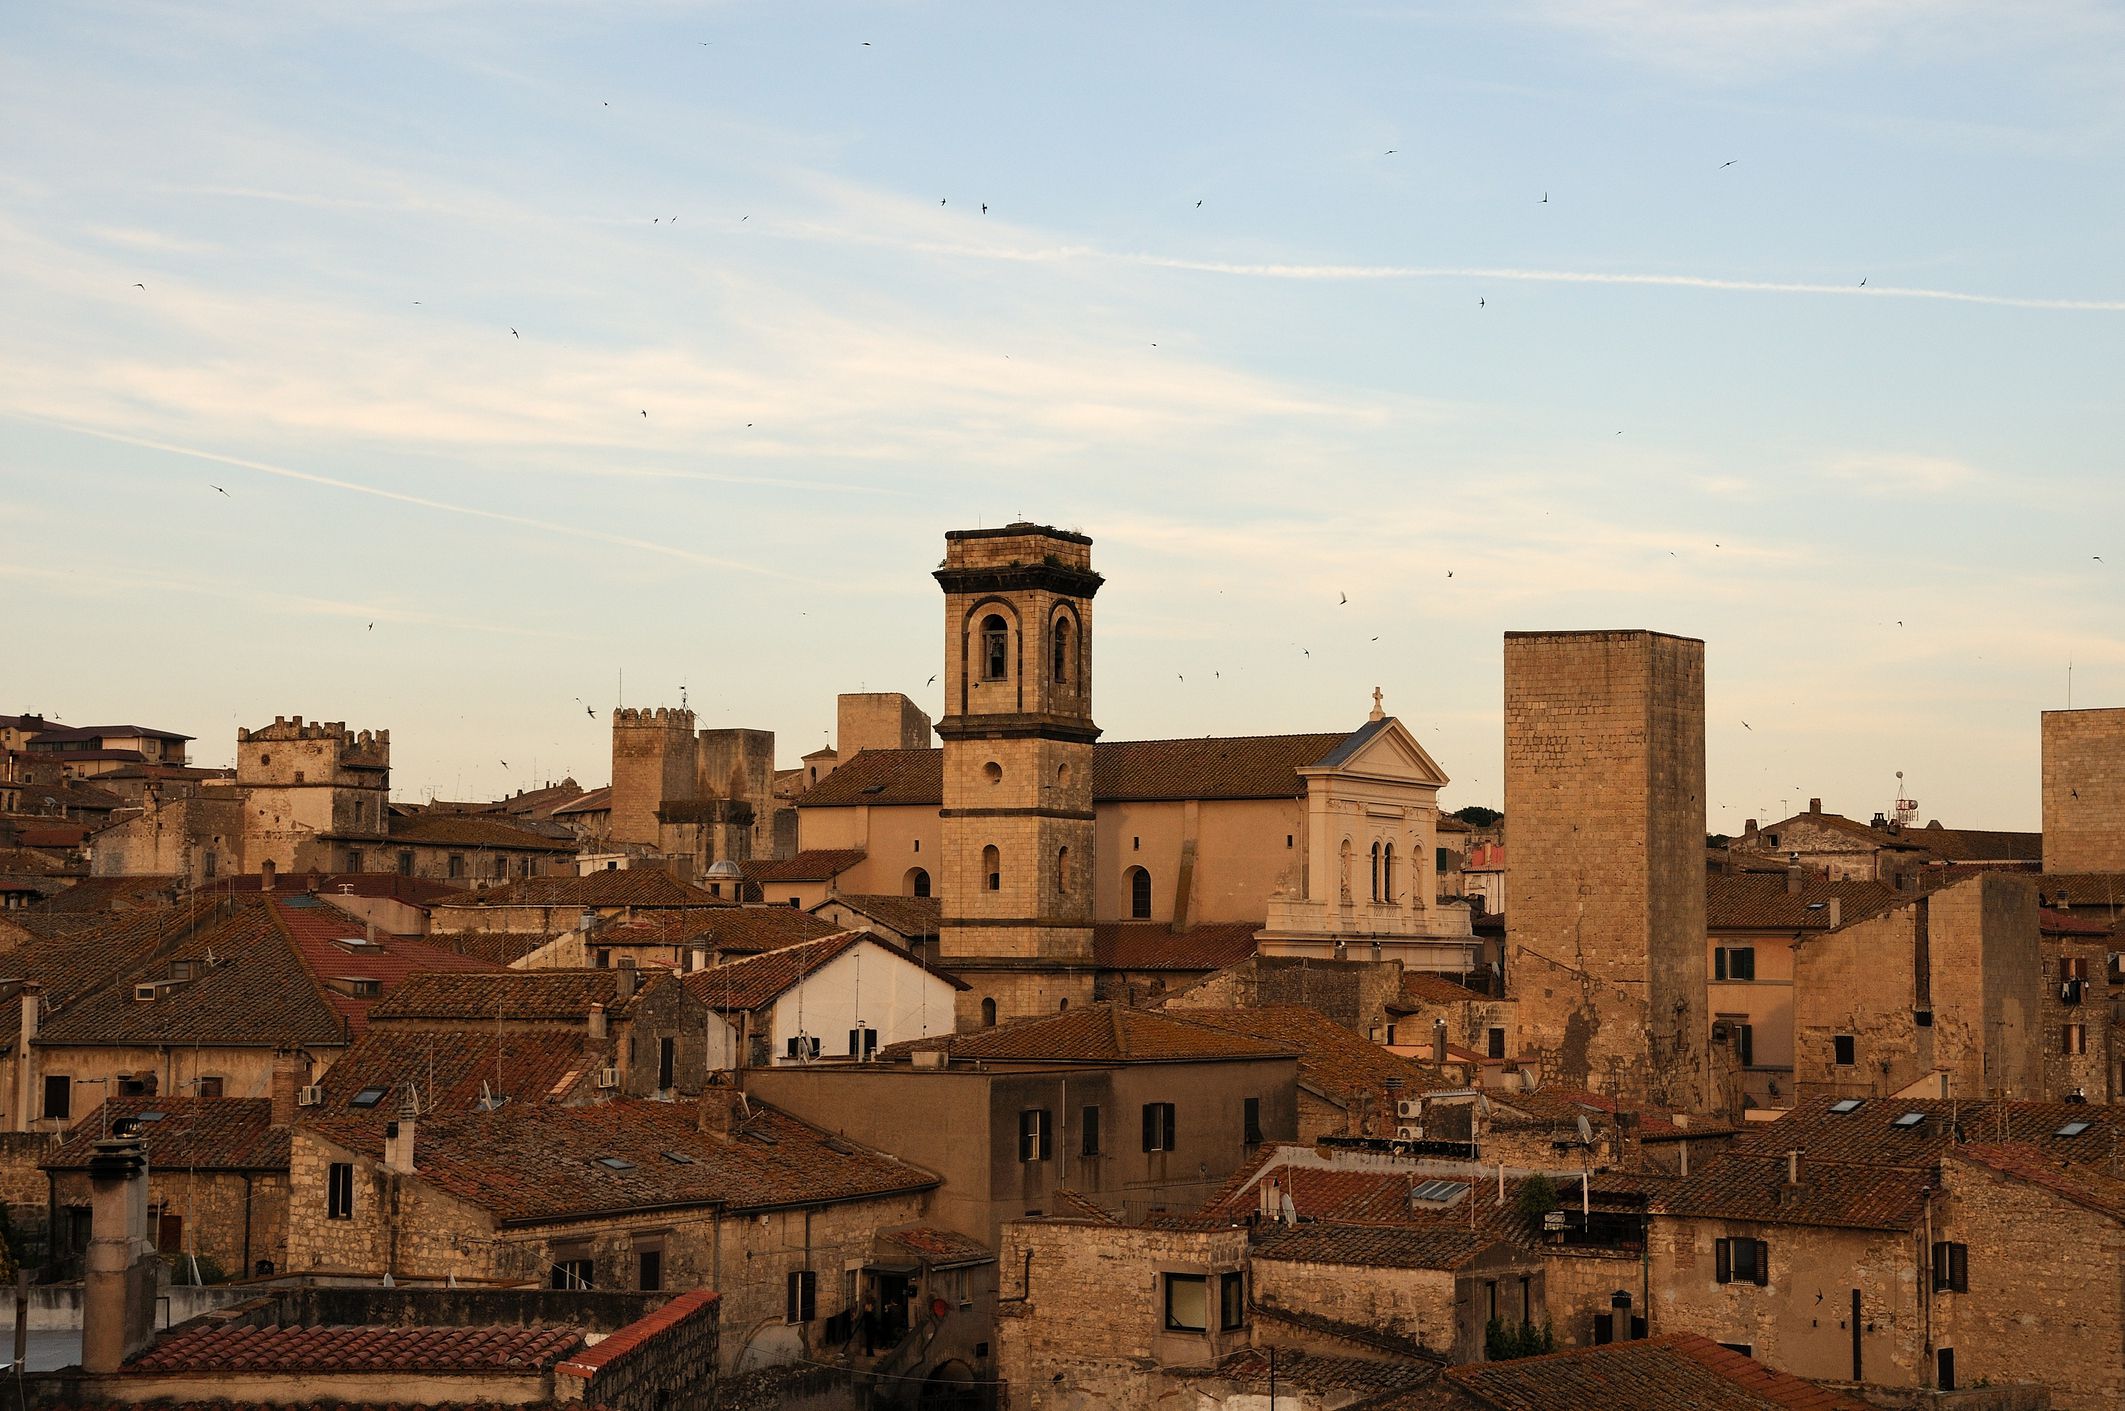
x,y
1081,1321
1417,1304
1604,745
2084,790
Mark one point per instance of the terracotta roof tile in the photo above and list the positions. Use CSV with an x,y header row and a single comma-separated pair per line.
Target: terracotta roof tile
x,y
811,865
532,1165
591,1360
759,980
913,917
623,886
1422,987
1673,1372
241,1347
1832,1194
1315,1372
192,1133
749,930
471,830
1214,767
1760,901
2061,923
596,801
1154,945
1977,844
452,1068
1374,1246
2082,1184
1338,1062
346,965
549,995
1869,1133
935,1246
1097,1033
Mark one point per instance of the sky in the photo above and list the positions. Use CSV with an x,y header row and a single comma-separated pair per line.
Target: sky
x,y
464,368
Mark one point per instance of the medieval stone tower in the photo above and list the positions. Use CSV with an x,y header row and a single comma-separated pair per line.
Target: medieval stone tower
x,y
2084,790
1604,812
314,795
1017,862
652,760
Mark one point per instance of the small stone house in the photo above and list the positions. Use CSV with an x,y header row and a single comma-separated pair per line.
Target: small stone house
x,y
843,996
1439,1287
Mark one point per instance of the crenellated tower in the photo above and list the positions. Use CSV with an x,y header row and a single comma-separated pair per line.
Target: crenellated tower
x,y
311,791
1017,860
652,761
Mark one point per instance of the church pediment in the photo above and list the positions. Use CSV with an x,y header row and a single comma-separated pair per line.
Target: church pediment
x,y
1383,749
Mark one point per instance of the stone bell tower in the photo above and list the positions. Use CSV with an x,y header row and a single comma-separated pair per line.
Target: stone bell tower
x,y
1016,889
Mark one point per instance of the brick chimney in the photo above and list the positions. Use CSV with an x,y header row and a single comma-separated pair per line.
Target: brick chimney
x,y
287,1077
398,1138
1438,1043
1796,878
32,996
1815,806
720,1111
122,1268
597,1021
1793,1168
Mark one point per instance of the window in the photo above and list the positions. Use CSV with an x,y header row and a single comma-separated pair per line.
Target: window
x,y
993,772
988,1014
2073,1038
1158,1126
1062,870
995,649
169,1232
1139,894
1745,1044
1033,1135
863,1041
1059,666
800,1296
1944,1359
1251,1121
1187,1303
1951,1267
2073,967
1387,875
142,1086
210,1086
1847,1104
367,1097
649,1269
1088,1144
1375,871
405,864
1231,1301
500,869
916,883
801,1046
1844,1048
59,1097
572,1274
992,868
339,1191
1494,1043
1734,963
667,1061
457,865
1741,1261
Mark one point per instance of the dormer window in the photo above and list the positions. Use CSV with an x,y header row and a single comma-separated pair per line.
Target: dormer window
x,y
995,648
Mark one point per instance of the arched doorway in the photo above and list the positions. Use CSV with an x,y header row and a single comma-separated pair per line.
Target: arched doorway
x,y
952,1386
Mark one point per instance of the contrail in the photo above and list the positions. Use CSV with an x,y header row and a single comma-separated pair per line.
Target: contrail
x,y
545,526
1070,254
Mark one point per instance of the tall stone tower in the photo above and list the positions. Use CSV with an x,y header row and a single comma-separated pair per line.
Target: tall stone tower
x,y
315,795
1016,884
652,760
2084,791
1604,818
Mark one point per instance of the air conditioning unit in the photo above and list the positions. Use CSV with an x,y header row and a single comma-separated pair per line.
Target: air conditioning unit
x,y
1409,1107
608,1077
1409,1134
1720,1032
310,1096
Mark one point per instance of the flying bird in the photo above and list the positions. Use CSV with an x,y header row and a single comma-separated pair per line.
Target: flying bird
x,y
514,334
985,208
1545,199
1389,152
1342,598
140,286
212,486
372,627
1198,205
1863,284
1724,165
1479,301
645,412
1449,573
931,682
505,764
1748,727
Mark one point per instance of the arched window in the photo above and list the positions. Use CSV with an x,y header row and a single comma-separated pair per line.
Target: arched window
x,y
988,1014
993,772
1387,875
916,883
1345,860
1139,894
1375,871
992,868
1059,669
1062,1004
995,648
1062,776
1062,870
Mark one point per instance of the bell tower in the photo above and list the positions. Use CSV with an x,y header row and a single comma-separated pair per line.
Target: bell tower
x,y
1016,889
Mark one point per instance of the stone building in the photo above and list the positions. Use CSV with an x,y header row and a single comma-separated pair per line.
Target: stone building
x,y
1604,790
217,1181
307,786
1940,995
720,1193
843,996
2084,790
1887,850
1654,1374
700,795
2077,1011
1137,1109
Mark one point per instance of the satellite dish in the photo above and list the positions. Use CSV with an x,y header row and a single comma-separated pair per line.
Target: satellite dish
x,y
1586,1131
1290,1211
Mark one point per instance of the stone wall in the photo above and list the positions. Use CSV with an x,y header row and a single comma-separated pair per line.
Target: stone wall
x,y
1081,1317
1354,993
652,760
1604,747
662,1362
1417,1304
2046,1300
232,1219
2084,790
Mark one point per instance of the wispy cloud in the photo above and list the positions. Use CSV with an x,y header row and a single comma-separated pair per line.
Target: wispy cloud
x,y
1897,473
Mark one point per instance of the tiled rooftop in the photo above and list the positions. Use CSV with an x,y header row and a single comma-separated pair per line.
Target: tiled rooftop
x,y
2082,1184
1334,1061
1674,1372
935,1246
240,1347
1154,945
472,830
811,865
759,980
1761,901
552,995
913,917
453,1065
626,886
325,938
190,1133
1870,1133
1832,1194
1097,1033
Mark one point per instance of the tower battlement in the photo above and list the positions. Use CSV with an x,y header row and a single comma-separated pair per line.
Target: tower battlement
x,y
654,717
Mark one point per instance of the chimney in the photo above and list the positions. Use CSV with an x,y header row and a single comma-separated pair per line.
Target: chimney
x,y
1748,827
32,996
1795,878
629,978
398,1138
285,1081
1815,806
696,959
597,1021
1267,1202
122,1269
1792,1168
1438,1043
1837,912
369,930
719,1111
